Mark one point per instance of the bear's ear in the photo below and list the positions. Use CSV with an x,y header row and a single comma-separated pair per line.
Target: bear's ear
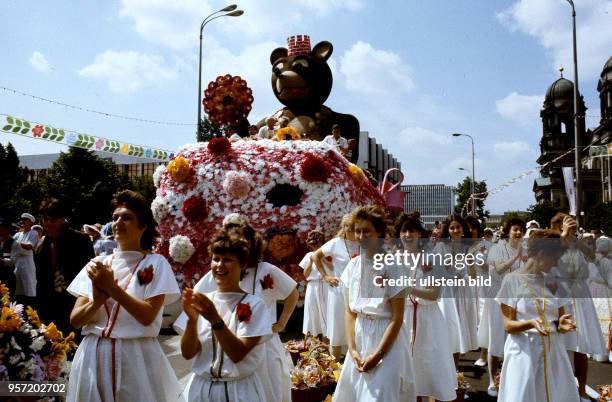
x,y
277,53
323,50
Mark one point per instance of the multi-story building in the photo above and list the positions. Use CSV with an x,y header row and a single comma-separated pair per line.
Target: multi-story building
x,y
433,201
376,159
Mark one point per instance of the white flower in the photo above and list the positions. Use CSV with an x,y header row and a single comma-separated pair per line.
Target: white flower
x,y
157,174
159,209
38,343
181,249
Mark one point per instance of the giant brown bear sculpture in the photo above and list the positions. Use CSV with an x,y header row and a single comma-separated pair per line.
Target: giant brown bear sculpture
x,y
302,81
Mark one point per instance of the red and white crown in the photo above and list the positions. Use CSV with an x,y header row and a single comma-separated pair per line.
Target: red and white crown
x,y
298,45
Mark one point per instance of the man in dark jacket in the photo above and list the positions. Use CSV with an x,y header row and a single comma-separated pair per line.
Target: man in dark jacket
x,y
7,258
63,253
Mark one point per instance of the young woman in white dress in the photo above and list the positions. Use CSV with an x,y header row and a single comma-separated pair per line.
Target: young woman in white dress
x,y
224,331
119,307
271,284
601,289
434,368
455,301
339,250
315,300
572,273
26,241
536,365
378,366
505,257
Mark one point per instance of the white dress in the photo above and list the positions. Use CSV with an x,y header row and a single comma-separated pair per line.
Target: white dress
x,y
392,380
456,302
215,376
491,334
25,270
534,364
600,283
119,358
434,367
315,301
271,284
572,274
340,251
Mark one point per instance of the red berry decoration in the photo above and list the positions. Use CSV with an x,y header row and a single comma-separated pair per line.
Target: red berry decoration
x,y
195,209
227,100
219,145
314,168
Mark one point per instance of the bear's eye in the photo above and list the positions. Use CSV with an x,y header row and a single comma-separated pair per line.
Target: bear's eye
x,y
300,62
279,66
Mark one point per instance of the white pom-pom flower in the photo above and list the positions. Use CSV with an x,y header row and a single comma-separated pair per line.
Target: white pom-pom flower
x,y
181,249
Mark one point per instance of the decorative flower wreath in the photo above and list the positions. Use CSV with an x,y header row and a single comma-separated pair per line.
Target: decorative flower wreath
x,y
227,100
287,134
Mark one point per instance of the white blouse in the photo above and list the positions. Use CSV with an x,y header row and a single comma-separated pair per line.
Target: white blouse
x,y
341,251
211,361
126,266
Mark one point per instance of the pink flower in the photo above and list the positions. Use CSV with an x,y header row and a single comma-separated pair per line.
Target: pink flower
x,y
99,143
53,369
237,185
38,130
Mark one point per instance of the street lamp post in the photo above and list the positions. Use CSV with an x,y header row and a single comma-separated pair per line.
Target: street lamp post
x,y
230,11
472,187
578,186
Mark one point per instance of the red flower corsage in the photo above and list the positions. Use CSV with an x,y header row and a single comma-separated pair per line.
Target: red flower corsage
x,y
267,282
243,312
145,275
329,258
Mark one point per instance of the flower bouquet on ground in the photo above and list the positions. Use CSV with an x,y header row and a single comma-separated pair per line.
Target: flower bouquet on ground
x,y
605,393
315,374
29,349
462,387
302,347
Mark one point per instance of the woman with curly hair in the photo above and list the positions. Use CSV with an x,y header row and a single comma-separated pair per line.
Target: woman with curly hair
x,y
119,306
225,330
315,300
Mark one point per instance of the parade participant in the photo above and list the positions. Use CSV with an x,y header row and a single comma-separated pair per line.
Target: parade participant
x,y
25,269
63,253
225,330
271,284
267,131
536,366
572,273
119,306
41,237
315,300
477,246
454,299
503,258
336,141
378,366
8,248
339,250
600,284
434,369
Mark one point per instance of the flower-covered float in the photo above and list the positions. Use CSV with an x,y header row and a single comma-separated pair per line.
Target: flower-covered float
x,y
283,188
29,349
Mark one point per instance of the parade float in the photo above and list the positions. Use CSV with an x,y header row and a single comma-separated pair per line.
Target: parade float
x,y
285,186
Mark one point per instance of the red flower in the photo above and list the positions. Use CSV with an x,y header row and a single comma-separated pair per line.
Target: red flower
x,y
267,282
219,145
145,275
38,130
243,312
195,209
329,258
315,168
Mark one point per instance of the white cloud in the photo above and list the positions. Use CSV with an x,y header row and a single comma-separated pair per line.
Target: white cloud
x,y
522,109
326,7
127,72
512,148
39,62
550,22
374,71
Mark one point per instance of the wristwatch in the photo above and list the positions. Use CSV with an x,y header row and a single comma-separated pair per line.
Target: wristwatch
x,y
380,353
218,325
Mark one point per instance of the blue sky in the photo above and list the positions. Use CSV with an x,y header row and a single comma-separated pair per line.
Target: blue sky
x,y
411,71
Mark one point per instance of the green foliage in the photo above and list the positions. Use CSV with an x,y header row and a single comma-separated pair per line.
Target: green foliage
x,y
600,217
543,212
85,182
144,185
463,194
209,130
12,176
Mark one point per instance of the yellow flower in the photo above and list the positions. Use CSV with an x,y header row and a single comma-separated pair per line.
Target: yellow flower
x,y
356,172
179,168
33,316
125,148
51,332
328,398
9,320
287,133
4,290
336,375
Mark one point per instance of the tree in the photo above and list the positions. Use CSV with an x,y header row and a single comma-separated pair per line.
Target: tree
x,y
86,183
600,217
144,185
543,212
12,176
463,192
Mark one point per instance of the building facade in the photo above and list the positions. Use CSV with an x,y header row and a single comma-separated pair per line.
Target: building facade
x,y
434,202
376,159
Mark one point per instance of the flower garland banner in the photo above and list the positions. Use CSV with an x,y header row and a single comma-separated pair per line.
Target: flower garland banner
x,y
13,125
